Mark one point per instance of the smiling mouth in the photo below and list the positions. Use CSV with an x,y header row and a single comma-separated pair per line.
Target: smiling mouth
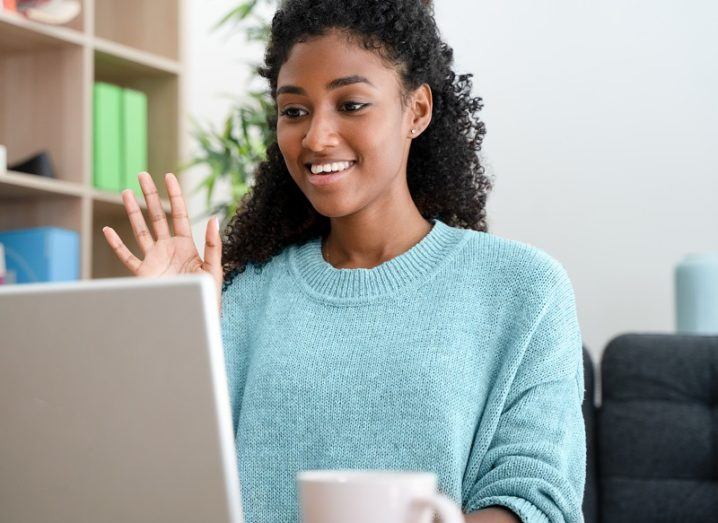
x,y
308,169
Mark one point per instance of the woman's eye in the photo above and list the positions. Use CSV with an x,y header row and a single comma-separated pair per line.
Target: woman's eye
x,y
291,112
352,107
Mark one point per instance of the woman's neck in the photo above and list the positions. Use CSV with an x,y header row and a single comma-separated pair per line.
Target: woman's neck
x,y
356,242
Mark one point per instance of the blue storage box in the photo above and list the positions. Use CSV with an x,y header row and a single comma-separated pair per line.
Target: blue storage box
x,y
42,254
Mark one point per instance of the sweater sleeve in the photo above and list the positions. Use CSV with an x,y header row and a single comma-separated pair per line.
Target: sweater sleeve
x,y
535,463
237,302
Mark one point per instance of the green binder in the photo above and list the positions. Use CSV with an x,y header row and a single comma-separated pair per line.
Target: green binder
x,y
107,153
134,137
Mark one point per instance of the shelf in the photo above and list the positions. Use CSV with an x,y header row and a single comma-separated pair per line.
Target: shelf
x,y
110,203
117,21
28,201
42,103
64,212
18,186
17,34
117,61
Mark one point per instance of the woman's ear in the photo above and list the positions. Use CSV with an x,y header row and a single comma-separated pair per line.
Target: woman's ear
x,y
420,104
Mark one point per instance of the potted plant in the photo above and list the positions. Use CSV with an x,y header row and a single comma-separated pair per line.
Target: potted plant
x,y
233,151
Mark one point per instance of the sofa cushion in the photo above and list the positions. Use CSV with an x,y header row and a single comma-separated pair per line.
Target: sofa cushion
x,y
657,429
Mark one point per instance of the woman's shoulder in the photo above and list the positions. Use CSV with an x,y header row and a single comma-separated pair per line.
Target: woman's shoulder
x,y
251,276
511,262
256,274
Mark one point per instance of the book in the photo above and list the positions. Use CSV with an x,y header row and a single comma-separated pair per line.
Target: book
x,y
107,158
134,137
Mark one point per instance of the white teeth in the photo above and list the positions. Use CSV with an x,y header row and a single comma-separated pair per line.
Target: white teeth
x,y
330,167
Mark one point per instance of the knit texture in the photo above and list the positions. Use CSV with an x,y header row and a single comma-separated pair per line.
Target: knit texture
x,y
461,356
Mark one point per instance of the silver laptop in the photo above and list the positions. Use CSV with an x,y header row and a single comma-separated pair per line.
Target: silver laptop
x,y
114,403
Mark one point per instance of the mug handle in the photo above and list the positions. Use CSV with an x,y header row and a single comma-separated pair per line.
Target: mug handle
x,y
439,503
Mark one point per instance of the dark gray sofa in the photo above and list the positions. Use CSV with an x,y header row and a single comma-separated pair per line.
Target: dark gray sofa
x,y
653,443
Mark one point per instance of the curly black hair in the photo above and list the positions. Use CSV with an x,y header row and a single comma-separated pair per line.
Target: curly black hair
x,y
445,177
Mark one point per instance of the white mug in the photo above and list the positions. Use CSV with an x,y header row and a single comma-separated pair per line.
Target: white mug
x,y
3,159
366,496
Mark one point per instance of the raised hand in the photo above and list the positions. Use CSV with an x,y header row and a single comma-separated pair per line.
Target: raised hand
x,y
166,255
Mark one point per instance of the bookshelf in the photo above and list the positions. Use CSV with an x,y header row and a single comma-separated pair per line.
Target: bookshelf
x,y
46,84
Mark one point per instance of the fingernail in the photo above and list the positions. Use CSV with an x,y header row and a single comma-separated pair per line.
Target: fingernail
x,y
216,223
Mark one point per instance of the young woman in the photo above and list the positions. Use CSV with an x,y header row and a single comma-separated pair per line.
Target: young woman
x,y
369,319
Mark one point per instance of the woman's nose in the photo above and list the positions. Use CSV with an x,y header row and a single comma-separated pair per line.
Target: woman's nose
x,y
321,134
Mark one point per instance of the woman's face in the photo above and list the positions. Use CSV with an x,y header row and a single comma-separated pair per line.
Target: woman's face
x,y
340,107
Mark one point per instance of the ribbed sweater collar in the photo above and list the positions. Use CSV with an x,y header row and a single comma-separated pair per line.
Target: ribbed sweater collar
x,y
324,281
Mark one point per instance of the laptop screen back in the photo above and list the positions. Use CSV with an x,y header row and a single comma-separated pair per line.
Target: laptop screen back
x,y
114,404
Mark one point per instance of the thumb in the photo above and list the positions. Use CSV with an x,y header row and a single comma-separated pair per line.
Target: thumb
x,y
213,249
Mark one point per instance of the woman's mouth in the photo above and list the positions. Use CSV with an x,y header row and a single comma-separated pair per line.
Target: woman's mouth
x,y
328,173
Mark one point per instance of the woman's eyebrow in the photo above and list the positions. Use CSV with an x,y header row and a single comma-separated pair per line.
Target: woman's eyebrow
x,y
334,84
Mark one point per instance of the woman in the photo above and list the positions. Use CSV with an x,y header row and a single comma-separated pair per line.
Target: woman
x,y
380,325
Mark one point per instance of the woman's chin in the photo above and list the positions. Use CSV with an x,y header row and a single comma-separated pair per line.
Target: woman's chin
x,y
332,206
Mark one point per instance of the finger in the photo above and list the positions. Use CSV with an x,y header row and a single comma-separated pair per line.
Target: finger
x,y
137,221
154,207
180,219
123,253
213,248
213,256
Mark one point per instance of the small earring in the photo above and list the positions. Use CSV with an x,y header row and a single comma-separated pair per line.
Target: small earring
x,y
413,131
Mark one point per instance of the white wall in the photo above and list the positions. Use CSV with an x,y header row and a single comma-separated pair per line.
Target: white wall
x,y
602,125
601,121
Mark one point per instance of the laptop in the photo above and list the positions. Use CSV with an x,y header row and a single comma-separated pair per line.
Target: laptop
x,y
114,403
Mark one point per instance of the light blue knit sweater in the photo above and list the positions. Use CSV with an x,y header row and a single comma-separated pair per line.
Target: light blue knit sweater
x,y
461,356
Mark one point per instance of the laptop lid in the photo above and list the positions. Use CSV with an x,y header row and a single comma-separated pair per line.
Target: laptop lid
x,y
114,403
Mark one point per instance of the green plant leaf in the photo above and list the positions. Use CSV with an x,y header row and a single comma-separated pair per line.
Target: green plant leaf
x,y
233,151
239,13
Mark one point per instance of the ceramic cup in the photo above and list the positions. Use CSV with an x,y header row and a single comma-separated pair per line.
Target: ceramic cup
x,y
696,284
3,159
364,496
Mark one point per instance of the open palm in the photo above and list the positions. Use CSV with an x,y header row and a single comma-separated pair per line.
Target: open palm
x,y
171,256
166,255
